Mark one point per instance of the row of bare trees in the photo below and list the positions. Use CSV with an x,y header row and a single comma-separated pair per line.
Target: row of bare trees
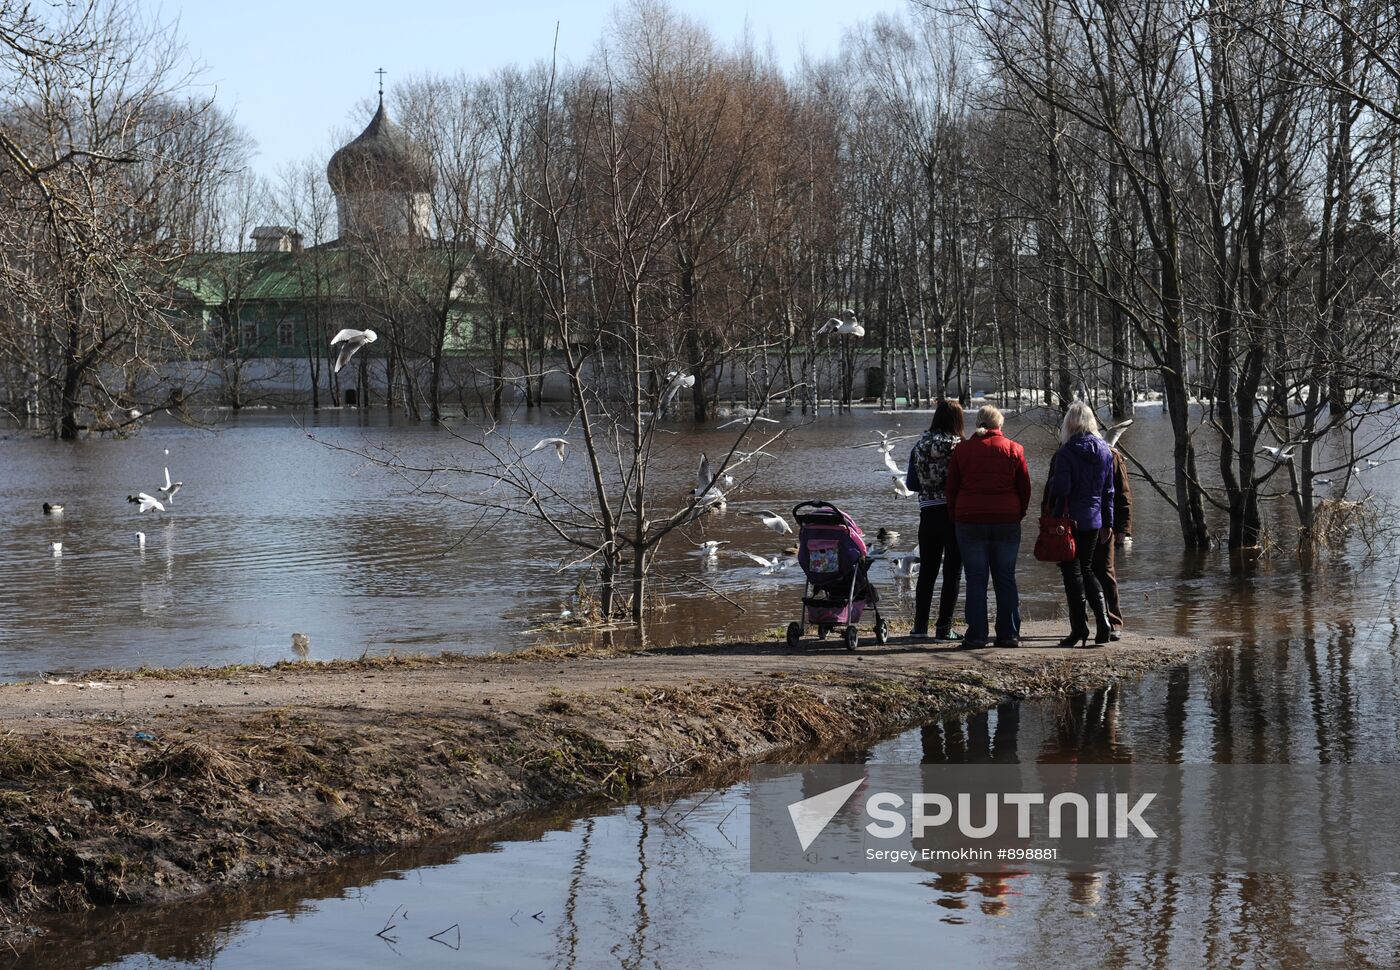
x,y
109,159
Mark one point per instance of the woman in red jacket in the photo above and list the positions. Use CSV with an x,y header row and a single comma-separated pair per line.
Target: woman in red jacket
x,y
988,492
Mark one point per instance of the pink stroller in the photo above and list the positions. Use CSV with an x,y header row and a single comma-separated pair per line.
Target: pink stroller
x,y
832,553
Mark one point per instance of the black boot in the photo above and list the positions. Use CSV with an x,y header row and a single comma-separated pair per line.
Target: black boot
x,y
1103,630
1078,624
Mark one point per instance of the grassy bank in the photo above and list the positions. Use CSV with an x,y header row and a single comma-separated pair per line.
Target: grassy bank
x,y
153,786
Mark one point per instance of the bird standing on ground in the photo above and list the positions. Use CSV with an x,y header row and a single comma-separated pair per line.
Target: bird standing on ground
x,y
170,488
301,645
351,341
561,446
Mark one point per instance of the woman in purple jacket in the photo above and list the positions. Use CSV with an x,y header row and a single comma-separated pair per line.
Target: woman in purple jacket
x,y
1081,486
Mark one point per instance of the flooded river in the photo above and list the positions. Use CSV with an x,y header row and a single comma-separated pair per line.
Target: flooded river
x,y
273,532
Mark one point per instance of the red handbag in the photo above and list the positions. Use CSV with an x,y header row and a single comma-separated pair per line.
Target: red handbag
x,y
1056,540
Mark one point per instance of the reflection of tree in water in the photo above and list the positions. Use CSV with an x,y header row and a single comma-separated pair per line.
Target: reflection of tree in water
x,y
568,928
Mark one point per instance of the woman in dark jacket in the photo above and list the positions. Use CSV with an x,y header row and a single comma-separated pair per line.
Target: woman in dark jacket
x,y
1081,486
938,545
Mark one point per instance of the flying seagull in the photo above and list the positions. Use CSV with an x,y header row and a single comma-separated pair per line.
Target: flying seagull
x,y
844,324
1281,455
904,565
148,503
561,446
675,380
756,420
764,563
705,492
170,488
900,489
890,464
709,548
1116,432
773,521
352,340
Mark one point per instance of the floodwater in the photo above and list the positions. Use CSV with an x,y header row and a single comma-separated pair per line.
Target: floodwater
x,y
276,531
256,549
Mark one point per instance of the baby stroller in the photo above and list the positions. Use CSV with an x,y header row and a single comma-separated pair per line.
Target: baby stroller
x,y
832,553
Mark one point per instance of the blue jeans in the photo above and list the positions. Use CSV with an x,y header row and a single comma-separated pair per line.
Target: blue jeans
x,y
990,549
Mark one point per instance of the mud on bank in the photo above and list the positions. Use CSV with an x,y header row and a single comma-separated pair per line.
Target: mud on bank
x,y
157,785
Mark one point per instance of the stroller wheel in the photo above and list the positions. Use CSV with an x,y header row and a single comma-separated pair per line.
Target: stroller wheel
x,y
882,632
852,637
794,635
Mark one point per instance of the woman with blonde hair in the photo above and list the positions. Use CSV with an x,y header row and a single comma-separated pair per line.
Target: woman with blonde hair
x,y
1081,486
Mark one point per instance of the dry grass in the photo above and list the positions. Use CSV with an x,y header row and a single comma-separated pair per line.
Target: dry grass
x,y
197,761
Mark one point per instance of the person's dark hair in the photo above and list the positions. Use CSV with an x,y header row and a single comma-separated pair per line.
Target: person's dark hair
x,y
948,418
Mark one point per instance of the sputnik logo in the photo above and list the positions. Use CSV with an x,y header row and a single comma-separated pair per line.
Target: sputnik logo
x,y
811,815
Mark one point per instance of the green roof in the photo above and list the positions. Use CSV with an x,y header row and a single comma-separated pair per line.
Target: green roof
x,y
212,279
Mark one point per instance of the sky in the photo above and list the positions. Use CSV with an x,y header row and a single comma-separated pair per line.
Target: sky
x,y
293,71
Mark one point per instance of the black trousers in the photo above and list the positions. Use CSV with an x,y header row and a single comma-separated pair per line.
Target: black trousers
x,y
1107,575
938,550
1080,581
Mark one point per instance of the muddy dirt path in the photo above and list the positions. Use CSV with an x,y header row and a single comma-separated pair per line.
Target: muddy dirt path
x,y
157,785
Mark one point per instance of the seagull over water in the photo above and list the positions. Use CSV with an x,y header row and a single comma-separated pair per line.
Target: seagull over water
x,y
147,503
675,380
351,341
1282,455
705,492
1112,435
710,547
170,488
762,562
52,509
904,565
773,521
561,446
755,419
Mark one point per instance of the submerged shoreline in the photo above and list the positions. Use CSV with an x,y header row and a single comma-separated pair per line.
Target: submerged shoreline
x,y
157,785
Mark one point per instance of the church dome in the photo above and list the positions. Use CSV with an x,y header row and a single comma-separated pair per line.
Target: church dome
x,y
381,159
